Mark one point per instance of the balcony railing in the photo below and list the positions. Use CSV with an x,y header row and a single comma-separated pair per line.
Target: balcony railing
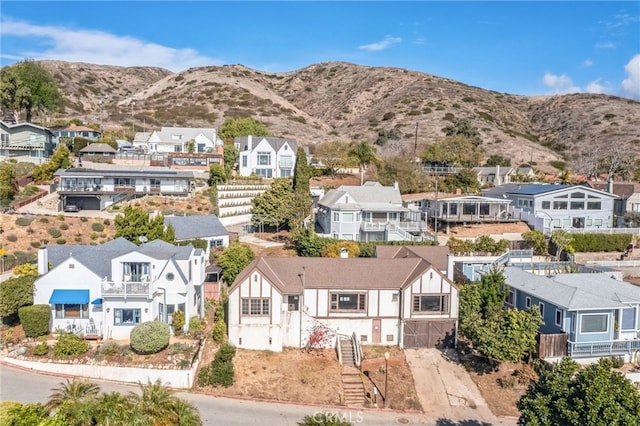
x,y
599,349
127,288
404,225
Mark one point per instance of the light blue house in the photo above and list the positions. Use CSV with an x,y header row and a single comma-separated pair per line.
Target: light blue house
x,y
599,314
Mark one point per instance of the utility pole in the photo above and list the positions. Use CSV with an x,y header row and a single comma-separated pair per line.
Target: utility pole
x,y
415,147
133,126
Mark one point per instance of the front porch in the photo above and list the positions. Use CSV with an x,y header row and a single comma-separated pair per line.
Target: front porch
x,y
603,349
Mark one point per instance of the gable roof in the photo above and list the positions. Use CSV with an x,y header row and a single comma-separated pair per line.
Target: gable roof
x,y
12,126
196,226
286,273
580,291
436,255
623,190
276,143
159,249
165,134
370,196
499,170
98,147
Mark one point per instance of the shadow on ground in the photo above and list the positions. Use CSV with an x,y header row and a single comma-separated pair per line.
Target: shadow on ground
x,y
448,422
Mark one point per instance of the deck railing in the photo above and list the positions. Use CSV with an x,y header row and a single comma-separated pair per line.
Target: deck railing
x,y
118,288
609,348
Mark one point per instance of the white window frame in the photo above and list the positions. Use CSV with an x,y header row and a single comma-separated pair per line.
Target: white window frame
x,y
559,322
541,307
582,316
527,302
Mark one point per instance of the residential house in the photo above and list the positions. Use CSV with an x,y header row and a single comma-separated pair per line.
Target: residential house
x,y
195,161
499,175
370,212
25,141
435,255
97,152
266,157
203,227
598,314
75,131
628,194
176,139
105,290
547,207
444,209
90,189
276,302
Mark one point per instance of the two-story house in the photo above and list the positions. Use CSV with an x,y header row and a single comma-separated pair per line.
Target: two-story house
x,y
628,196
90,189
75,131
106,290
370,212
266,157
276,302
177,139
546,207
599,314
25,141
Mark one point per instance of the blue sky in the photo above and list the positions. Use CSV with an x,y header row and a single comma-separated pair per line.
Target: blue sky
x,y
525,48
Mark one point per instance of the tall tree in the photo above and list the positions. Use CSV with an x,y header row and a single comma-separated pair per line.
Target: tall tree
x,y
364,154
28,86
458,150
161,407
15,293
135,223
333,155
273,207
562,240
8,183
302,172
463,127
59,160
234,127
230,156
233,260
570,395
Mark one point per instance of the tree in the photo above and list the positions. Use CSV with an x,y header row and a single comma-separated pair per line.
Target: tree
x,y
570,395
230,157
537,241
161,407
15,293
8,182
26,270
74,400
333,155
28,86
456,150
335,249
465,179
235,127
410,179
190,146
233,260
302,172
59,160
498,160
562,240
364,154
217,174
273,207
135,223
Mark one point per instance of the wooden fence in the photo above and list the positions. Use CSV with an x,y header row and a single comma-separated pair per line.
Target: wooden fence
x,y
552,345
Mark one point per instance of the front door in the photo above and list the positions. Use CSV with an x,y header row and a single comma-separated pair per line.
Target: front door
x,y
578,222
376,330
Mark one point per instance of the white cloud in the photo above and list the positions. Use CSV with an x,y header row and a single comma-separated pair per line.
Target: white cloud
x,y
559,84
605,45
596,87
381,45
98,47
631,84
587,63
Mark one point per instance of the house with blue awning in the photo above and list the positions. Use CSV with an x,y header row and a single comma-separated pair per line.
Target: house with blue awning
x,y
104,291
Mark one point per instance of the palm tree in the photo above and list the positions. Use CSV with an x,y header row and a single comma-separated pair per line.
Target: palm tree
x,y
186,413
113,409
74,401
162,408
364,154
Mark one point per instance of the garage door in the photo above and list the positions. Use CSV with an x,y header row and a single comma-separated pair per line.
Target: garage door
x,y
84,203
429,333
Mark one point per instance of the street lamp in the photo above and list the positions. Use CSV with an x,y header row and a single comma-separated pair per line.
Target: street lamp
x,y
386,378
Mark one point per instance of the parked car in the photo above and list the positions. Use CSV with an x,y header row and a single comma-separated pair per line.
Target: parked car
x,y
71,208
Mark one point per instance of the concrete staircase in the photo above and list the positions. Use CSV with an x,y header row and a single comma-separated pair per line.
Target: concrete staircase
x,y
352,386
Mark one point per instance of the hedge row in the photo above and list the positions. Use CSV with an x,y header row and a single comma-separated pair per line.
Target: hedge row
x,y
35,320
585,243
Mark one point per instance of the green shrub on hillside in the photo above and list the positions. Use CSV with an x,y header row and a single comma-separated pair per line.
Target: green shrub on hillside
x,y
69,344
585,243
150,337
35,320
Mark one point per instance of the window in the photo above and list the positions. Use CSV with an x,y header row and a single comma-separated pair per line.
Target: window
x,y
216,243
255,306
124,182
293,302
527,302
560,205
594,323
577,205
177,148
170,276
264,158
510,298
546,205
558,317
126,316
594,205
244,161
394,297
348,301
155,183
347,217
72,311
336,217
628,319
265,173
541,306
286,172
363,338
438,303
286,162
135,272
577,195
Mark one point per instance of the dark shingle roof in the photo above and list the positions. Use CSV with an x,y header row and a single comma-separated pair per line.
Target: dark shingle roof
x,y
190,227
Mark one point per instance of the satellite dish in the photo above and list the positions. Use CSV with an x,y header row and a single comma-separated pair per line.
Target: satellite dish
x,y
143,239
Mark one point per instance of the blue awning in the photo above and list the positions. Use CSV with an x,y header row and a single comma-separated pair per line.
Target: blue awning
x,y
97,302
69,297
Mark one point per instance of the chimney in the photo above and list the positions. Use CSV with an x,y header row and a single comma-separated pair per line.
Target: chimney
x,y
396,186
610,185
43,260
344,254
249,143
498,179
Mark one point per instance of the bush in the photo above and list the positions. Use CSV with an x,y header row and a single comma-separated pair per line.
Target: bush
x,y
196,326
54,232
64,226
24,221
110,348
220,372
35,320
84,219
35,244
15,293
584,243
177,321
44,220
69,344
41,349
61,241
107,222
150,337
12,237
219,332
97,227
94,236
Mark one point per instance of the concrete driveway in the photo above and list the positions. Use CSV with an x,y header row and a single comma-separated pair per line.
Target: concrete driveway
x,y
445,388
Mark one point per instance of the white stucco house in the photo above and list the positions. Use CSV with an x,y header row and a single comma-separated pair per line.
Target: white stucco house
x,y
105,290
371,212
175,139
276,302
266,157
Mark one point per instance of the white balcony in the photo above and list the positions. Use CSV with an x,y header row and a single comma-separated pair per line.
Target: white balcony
x,y
126,288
